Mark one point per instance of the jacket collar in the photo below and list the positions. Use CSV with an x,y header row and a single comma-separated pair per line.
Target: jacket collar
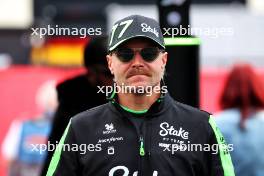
x,y
156,109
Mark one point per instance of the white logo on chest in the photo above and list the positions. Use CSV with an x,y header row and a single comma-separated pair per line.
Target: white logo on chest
x,y
109,129
166,129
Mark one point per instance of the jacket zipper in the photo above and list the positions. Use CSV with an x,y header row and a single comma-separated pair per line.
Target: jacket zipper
x,y
141,148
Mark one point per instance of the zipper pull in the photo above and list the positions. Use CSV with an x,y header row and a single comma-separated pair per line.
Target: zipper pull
x,y
141,150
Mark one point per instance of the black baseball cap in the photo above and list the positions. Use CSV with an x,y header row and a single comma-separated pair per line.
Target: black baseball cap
x,y
135,26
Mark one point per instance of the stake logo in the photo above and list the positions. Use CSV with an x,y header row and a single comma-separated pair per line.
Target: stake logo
x,y
126,171
146,28
167,129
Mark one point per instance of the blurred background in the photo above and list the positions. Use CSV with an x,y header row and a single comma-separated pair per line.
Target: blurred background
x,y
28,60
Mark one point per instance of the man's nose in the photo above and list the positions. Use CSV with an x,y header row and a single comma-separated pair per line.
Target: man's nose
x,y
137,61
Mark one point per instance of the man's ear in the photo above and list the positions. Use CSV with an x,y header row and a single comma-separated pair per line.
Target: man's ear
x,y
109,62
164,59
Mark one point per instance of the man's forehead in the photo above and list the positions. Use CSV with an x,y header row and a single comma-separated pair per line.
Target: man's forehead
x,y
140,41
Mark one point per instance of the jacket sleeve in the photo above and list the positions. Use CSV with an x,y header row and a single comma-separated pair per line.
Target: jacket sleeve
x,y
220,162
67,108
60,121
65,161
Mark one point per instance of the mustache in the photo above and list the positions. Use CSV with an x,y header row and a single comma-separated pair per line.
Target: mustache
x,y
137,71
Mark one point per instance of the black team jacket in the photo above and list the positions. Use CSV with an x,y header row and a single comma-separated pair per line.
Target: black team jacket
x,y
169,139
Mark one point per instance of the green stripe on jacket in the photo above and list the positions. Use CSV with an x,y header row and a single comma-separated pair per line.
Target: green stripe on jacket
x,y
57,154
223,149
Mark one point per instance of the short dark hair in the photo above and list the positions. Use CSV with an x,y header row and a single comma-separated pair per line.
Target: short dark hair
x,y
95,52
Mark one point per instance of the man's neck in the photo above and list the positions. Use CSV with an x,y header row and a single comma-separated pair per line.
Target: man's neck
x,y
137,102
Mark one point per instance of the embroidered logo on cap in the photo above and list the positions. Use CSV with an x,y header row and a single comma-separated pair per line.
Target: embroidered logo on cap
x,y
147,28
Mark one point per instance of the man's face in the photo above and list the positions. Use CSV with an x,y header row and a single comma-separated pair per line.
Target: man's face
x,y
137,72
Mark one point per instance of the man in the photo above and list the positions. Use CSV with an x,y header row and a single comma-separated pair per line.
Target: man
x,y
142,130
79,93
